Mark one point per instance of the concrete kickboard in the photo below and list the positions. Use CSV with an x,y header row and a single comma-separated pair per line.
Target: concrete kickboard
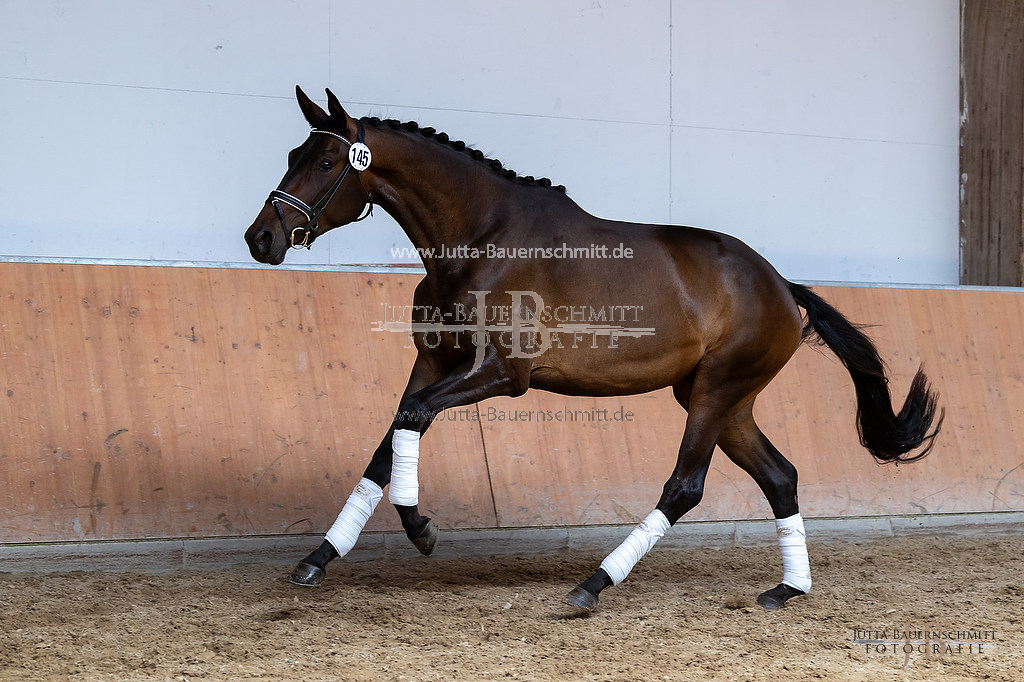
x,y
161,556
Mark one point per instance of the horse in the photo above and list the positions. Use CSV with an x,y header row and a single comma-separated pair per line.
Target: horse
x,y
719,322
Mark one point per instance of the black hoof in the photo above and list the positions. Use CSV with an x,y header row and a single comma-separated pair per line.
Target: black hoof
x,y
427,538
306,575
581,598
777,597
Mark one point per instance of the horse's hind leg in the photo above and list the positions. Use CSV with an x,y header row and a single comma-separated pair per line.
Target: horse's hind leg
x,y
682,492
750,449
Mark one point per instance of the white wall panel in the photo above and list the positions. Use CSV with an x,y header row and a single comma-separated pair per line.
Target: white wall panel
x,y
252,47
172,176
829,209
824,132
569,58
866,70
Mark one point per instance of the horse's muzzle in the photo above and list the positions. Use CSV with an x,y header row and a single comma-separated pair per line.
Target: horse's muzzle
x,y
264,247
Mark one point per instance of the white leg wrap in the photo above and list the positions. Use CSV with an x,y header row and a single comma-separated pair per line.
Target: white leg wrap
x,y
405,482
796,567
354,515
621,561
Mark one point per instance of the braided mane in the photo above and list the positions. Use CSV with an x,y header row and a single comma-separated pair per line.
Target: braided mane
x,y
460,146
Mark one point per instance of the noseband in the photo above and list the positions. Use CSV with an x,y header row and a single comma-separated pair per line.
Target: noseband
x,y
304,235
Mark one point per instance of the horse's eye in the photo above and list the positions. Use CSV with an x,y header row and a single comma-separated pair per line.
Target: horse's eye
x,y
326,166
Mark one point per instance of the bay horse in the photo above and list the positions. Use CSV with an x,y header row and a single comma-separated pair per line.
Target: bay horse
x,y
720,324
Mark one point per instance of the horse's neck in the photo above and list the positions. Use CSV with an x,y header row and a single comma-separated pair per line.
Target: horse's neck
x,y
438,197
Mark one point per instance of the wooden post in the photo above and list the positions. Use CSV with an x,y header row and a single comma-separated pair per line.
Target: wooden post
x,y
992,142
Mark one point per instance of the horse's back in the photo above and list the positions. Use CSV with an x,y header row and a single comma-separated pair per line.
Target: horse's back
x,y
720,273
696,292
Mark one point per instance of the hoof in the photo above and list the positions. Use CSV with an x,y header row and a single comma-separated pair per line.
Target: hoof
x,y
427,538
581,598
306,575
777,597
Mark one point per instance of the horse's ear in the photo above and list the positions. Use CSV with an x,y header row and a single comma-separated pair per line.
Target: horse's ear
x,y
334,106
315,116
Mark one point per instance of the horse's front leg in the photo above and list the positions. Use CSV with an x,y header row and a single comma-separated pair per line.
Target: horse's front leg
x,y
358,508
403,467
465,385
396,460
363,501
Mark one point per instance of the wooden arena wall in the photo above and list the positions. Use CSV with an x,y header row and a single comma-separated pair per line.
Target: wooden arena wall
x,y
145,402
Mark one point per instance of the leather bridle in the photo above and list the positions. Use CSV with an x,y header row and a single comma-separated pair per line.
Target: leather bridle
x,y
304,235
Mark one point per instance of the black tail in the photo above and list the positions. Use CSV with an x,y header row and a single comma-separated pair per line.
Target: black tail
x,y
888,436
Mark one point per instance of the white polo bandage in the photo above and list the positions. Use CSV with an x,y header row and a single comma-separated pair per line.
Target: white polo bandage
x,y
354,515
405,462
796,567
621,561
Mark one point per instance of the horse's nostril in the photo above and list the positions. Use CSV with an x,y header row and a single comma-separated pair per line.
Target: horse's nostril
x,y
264,240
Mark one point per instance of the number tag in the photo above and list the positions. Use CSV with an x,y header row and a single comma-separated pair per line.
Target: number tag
x,y
359,156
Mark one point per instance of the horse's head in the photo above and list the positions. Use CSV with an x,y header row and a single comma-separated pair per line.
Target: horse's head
x,y
319,191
